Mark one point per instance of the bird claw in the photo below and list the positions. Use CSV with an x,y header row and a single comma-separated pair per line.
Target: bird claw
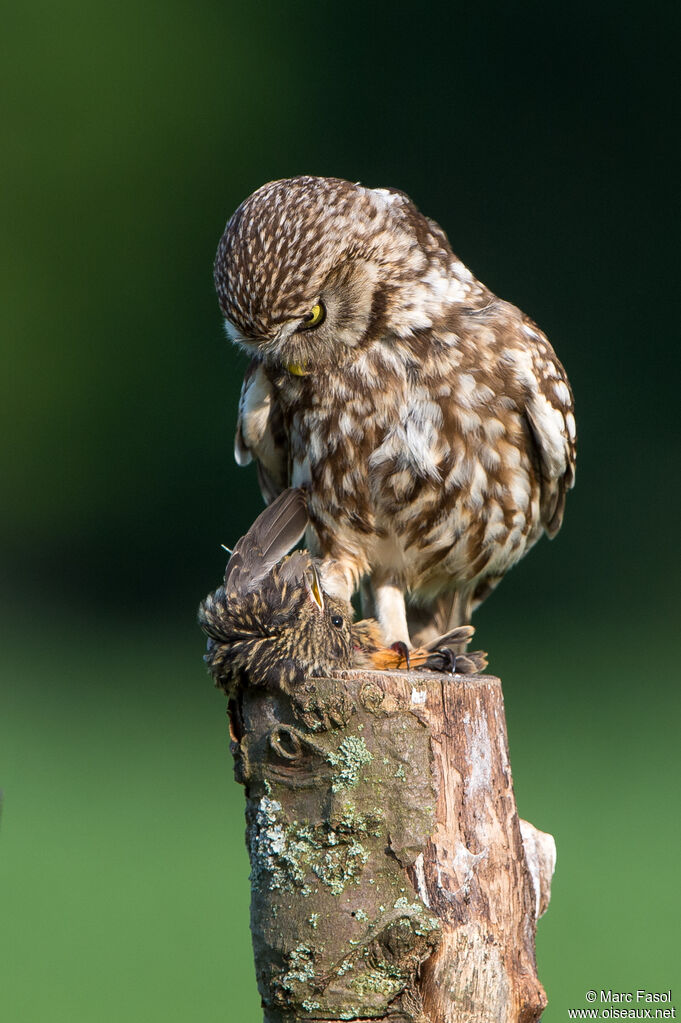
x,y
444,659
403,650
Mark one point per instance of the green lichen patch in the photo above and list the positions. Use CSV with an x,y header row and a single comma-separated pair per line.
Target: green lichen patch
x,y
283,855
340,866
352,755
274,860
427,926
385,979
292,985
301,965
351,820
403,903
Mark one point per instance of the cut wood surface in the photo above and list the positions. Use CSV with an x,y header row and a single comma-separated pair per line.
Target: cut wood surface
x,y
391,876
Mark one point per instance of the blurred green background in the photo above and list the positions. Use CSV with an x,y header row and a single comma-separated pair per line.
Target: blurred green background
x,y
543,139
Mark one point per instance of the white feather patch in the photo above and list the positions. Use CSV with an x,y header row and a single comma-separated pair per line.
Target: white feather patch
x,y
548,422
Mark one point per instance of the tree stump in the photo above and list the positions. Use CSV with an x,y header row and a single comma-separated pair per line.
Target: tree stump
x,y
391,877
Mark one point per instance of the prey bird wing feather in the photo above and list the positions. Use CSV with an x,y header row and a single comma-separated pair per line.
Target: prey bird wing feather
x,y
272,535
430,422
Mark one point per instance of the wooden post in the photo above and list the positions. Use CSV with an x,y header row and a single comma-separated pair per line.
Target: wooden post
x,y
391,877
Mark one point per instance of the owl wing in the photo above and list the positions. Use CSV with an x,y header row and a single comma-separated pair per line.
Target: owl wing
x,y
260,433
549,414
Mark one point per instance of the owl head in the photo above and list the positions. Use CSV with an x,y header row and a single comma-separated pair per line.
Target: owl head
x,y
309,268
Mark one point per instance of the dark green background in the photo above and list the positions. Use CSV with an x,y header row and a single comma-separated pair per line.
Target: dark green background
x,y
542,137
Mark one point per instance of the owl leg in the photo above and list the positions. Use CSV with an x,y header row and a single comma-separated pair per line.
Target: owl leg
x,y
391,613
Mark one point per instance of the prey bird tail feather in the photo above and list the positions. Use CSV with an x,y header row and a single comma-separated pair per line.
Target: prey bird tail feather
x,y
275,531
461,634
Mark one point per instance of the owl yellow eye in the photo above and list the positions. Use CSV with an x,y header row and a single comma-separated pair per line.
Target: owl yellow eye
x,y
316,316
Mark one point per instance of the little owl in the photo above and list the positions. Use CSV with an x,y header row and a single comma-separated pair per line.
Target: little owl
x,y
429,421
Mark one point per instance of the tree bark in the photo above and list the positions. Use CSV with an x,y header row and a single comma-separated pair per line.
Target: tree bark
x,y
392,879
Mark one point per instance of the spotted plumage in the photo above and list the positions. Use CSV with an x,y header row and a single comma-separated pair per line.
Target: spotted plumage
x,y
430,422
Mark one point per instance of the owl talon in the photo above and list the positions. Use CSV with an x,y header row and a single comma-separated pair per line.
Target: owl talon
x,y
448,660
403,650
445,660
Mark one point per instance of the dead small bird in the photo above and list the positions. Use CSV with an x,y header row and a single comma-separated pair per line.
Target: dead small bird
x,y
272,624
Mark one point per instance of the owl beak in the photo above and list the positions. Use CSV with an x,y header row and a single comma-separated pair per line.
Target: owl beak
x,y
298,369
314,588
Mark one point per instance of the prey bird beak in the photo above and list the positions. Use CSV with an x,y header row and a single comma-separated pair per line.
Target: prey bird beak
x,y
314,588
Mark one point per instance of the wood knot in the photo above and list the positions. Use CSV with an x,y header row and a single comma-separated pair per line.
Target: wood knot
x,y
371,697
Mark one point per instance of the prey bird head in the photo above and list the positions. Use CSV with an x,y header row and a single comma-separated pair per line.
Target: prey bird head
x,y
271,620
